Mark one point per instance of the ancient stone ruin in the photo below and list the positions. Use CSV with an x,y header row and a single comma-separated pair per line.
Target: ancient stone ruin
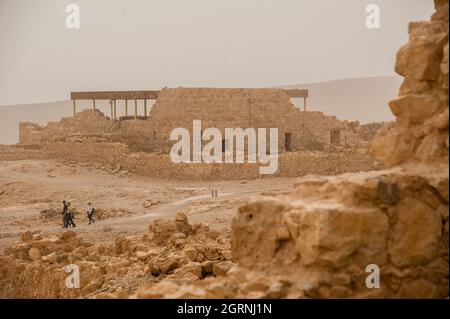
x,y
317,241
309,142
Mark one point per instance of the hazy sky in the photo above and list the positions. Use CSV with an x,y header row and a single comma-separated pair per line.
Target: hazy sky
x,y
149,44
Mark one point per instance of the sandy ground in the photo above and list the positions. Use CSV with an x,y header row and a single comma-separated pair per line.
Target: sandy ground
x,y
31,194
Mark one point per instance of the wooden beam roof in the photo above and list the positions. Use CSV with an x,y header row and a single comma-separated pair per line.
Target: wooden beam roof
x,y
294,93
115,95
150,95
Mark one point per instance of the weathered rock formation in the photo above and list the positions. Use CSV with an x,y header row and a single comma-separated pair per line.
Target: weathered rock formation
x,y
420,132
333,228
319,240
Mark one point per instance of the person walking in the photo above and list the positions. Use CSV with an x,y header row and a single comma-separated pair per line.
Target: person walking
x,y
90,213
64,214
71,215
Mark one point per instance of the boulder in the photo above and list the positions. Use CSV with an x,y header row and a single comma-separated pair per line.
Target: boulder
x,y
338,236
168,265
221,268
161,230
26,236
182,224
190,252
34,254
415,235
50,258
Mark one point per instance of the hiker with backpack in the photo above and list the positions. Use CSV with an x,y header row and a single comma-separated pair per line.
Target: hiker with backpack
x,y
70,215
90,213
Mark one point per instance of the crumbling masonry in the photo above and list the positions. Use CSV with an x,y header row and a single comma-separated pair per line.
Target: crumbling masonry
x,y
315,242
309,142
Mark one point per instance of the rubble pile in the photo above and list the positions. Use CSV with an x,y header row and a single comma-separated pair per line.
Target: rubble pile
x,y
172,250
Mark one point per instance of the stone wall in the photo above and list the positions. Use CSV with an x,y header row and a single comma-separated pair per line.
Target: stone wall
x,y
17,153
160,165
30,133
218,108
243,108
142,146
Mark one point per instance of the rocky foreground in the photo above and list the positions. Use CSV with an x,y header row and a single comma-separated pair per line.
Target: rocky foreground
x,y
316,242
171,250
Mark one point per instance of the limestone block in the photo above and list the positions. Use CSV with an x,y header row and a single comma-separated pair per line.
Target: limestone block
x,y
415,236
340,236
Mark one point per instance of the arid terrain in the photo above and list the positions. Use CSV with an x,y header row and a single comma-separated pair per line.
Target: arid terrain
x,y
32,192
354,211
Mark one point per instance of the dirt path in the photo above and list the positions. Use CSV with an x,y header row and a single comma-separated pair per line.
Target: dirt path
x,y
28,189
138,224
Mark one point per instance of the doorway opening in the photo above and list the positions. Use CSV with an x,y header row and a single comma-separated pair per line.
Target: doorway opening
x,y
287,142
335,136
